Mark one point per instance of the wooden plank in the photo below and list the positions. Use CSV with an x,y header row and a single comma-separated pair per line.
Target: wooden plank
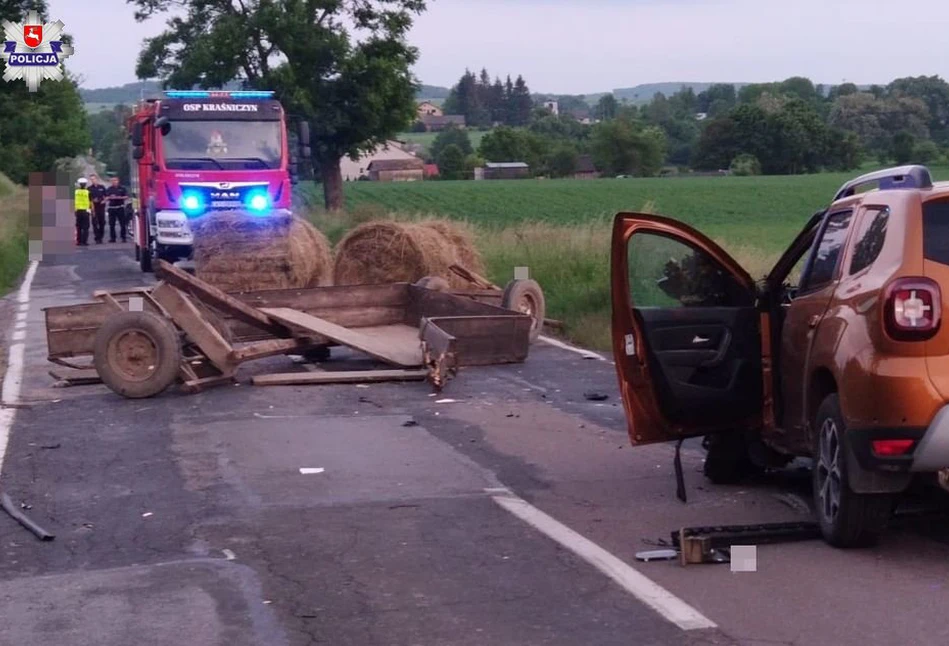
x,y
110,300
211,295
197,385
121,292
426,303
472,277
319,300
186,316
399,354
357,377
351,317
487,340
270,348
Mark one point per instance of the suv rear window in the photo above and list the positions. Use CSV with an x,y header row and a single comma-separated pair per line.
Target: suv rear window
x,y
936,231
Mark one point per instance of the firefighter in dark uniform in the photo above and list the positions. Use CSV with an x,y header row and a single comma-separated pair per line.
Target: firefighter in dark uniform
x,y
116,196
82,205
97,193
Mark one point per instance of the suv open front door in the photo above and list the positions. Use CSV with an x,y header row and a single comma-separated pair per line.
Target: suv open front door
x,y
686,334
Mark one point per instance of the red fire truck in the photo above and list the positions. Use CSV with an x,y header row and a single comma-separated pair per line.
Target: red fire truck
x,y
193,152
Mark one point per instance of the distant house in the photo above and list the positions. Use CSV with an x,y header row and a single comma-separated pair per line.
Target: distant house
x,y
506,170
437,123
582,115
430,109
397,170
431,170
353,170
585,168
553,107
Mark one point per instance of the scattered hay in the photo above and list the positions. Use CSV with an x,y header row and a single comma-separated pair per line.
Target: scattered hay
x,y
394,252
240,253
462,236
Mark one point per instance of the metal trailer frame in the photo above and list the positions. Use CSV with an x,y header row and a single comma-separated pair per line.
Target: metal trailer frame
x,y
407,326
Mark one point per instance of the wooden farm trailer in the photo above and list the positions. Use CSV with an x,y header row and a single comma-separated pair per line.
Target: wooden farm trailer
x,y
141,341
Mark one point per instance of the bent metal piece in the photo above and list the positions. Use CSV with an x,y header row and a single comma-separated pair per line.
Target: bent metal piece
x,y
22,518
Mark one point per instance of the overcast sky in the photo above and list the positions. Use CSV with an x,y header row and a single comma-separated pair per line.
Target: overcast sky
x,y
585,46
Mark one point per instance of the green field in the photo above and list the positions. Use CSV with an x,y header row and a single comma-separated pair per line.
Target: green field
x,y
426,138
561,228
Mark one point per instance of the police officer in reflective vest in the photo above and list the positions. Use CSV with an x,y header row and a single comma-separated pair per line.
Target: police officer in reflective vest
x,y
82,203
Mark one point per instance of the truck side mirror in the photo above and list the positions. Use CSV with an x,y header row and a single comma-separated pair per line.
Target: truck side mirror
x,y
136,134
138,152
164,125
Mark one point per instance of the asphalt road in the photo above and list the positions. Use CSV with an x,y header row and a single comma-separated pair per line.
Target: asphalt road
x,y
187,519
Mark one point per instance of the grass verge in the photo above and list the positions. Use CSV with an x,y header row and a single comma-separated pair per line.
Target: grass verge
x,y
14,217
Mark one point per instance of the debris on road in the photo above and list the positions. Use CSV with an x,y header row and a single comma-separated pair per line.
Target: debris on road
x,y
311,470
712,544
409,423
147,514
595,396
228,554
657,555
21,518
77,378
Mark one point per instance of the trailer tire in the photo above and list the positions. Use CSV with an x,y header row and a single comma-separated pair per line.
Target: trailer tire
x,y
527,297
137,354
436,283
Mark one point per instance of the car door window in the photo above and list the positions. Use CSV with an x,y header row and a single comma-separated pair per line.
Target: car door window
x,y
826,255
668,273
869,238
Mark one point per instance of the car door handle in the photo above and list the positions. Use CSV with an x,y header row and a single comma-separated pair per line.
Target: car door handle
x,y
813,321
720,352
696,340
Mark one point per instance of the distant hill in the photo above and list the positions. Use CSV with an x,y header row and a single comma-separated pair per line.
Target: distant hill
x,y
432,92
132,92
644,92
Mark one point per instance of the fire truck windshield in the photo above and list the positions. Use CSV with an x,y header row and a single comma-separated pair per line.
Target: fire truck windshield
x,y
222,145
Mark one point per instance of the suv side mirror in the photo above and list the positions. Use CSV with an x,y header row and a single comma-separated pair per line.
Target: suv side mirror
x,y
136,134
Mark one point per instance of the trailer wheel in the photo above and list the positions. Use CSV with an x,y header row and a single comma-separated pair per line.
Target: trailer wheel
x,y
137,354
526,297
436,283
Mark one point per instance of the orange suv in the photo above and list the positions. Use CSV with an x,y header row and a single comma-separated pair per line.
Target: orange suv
x,y
838,354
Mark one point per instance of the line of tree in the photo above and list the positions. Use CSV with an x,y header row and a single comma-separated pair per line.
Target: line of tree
x,y
38,128
484,102
110,139
794,126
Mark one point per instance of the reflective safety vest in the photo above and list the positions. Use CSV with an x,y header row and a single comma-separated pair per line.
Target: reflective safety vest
x,y
82,199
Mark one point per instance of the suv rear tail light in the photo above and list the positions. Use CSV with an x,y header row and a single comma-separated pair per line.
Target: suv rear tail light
x,y
890,448
912,309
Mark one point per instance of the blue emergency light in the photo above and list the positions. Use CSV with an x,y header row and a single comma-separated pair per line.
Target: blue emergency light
x,y
191,203
226,94
258,202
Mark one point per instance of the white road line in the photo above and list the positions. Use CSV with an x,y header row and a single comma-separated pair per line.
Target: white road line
x,y
586,354
10,392
19,335
647,591
21,316
20,325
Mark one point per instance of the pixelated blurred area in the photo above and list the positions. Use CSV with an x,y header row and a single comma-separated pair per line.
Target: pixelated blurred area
x,y
52,225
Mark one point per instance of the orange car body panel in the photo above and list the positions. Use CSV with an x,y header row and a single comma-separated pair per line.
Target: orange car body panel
x,y
837,330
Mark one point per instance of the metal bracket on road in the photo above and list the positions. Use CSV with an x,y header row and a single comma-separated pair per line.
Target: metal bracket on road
x,y
712,544
21,518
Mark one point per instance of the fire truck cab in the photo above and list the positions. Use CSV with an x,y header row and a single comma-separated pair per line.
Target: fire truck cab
x,y
193,152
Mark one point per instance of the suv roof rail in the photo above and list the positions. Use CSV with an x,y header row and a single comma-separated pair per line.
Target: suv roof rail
x,y
889,178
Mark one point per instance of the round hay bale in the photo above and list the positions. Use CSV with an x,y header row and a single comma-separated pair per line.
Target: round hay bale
x,y
237,252
463,239
391,252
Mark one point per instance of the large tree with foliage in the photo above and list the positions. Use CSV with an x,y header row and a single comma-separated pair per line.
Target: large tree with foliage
x,y
626,146
39,127
452,136
345,65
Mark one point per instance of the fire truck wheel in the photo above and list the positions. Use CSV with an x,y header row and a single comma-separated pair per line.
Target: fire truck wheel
x,y
145,259
526,297
137,354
